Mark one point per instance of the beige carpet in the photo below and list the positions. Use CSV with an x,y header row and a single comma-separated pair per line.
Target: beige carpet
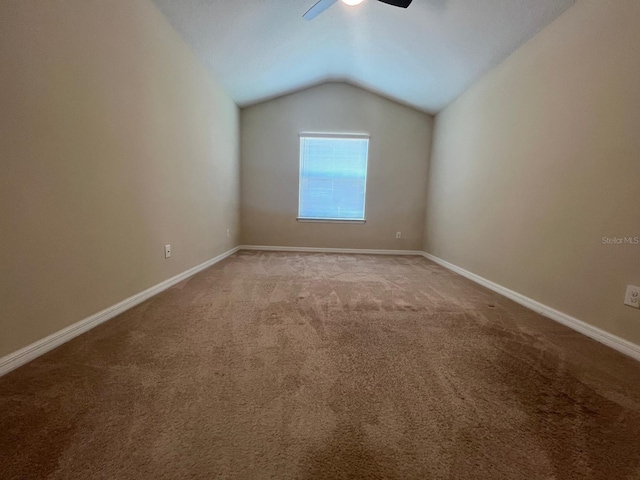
x,y
316,366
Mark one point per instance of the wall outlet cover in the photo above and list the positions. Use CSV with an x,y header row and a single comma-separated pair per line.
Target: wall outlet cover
x,y
632,297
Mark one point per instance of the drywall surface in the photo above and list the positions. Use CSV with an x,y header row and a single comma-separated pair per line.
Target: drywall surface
x,y
535,170
396,179
114,141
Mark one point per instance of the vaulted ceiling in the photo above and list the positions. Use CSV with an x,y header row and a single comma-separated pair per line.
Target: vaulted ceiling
x,y
424,56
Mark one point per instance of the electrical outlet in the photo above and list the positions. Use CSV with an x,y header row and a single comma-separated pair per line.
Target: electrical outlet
x,y
167,251
632,297
398,234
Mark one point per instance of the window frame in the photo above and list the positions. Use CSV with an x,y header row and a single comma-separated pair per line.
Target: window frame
x,y
347,136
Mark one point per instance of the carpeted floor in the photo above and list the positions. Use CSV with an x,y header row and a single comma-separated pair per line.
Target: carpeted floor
x,y
317,366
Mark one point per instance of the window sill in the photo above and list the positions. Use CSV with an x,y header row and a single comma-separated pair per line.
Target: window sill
x,y
328,220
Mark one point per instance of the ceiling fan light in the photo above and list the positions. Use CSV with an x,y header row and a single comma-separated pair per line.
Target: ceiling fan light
x,y
352,2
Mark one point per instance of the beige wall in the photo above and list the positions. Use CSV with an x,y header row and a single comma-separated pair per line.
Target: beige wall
x,y
396,178
540,160
114,141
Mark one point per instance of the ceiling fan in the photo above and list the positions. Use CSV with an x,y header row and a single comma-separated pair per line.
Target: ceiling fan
x,y
322,5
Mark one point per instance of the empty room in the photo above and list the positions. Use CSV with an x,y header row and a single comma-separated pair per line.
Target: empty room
x,y
335,239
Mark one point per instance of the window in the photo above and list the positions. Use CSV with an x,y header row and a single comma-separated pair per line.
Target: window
x,y
333,177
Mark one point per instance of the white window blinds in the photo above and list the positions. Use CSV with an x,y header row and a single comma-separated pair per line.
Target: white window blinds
x,y
333,177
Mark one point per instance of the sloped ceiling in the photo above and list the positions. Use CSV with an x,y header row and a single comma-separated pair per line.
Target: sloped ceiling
x,y
424,56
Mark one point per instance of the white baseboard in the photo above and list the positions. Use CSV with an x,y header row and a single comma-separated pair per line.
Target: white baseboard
x,y
606,338
30,352
363,251
24,355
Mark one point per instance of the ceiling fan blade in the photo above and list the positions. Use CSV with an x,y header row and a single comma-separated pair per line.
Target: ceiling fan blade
x,y
397,3
318,8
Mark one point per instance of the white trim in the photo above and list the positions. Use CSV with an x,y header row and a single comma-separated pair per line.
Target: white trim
x,y
609,339
347,136
363,251
330,220
30,352
24,355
